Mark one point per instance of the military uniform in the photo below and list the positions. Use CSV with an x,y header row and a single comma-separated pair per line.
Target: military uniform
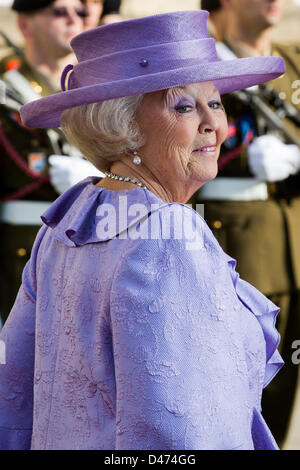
x,y
25,190
258,224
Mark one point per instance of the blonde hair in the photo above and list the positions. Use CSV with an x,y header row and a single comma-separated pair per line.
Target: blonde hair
x,y
103,131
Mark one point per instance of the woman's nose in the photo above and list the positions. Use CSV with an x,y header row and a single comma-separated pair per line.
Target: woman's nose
x,y
208,123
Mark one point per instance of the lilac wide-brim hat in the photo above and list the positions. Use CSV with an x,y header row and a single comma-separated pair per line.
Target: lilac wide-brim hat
x,y
145,55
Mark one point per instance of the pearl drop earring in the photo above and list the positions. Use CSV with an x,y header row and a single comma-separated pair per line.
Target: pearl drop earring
x,y
136,159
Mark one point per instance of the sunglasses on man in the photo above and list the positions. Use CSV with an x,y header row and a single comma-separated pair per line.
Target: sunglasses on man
x,y
63,12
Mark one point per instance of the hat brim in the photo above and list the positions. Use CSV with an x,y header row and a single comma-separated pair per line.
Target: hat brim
x,y
228,76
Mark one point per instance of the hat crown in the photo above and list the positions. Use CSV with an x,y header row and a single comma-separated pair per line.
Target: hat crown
x,y
141,33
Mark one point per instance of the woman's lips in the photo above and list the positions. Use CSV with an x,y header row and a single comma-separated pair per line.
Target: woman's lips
x,y
208,149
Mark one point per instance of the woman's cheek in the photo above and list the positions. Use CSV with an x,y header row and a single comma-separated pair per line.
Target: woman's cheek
x,y
223,130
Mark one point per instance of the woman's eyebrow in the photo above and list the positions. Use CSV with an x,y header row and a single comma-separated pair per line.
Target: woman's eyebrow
x,y
172,92
183,88
178,90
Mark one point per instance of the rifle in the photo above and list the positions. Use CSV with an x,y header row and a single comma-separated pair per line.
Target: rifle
x,y
256,98
9,43
273,118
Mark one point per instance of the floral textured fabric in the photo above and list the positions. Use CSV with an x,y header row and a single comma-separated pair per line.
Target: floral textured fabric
x,y
119,342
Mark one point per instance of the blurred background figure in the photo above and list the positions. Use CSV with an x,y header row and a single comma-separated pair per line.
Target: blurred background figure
x,y
36,165
253,206
101,12
94,13
217,18
47,28
111,12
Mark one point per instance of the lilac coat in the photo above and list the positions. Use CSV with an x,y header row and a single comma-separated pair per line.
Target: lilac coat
x,y
123,342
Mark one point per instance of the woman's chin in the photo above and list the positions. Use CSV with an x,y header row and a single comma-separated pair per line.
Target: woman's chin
x,y
207,174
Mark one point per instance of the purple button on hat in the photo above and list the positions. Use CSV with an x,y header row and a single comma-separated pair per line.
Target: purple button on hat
x,y
144,63
114,61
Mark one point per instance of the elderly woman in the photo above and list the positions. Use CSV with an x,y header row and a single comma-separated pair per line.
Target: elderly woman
x,y
132,329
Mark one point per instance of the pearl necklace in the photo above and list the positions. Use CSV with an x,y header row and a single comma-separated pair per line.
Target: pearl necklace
x,y
125,178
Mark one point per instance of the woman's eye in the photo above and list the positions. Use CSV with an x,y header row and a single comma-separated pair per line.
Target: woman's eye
x,y
183,109
216,105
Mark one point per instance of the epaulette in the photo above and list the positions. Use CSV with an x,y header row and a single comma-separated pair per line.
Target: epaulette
x,y
290,50
12,64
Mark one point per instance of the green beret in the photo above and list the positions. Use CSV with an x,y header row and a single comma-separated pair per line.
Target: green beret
x,y
30,5
111,6
210,5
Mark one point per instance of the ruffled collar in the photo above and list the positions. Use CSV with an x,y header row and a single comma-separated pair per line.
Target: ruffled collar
x,y
73,217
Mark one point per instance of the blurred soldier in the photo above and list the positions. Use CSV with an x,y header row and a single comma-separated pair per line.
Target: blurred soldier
x,y
94,13
111,12
101,12
27,184
217,15
253,206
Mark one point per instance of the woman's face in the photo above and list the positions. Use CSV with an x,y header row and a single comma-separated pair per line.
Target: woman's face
x,y
184,128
